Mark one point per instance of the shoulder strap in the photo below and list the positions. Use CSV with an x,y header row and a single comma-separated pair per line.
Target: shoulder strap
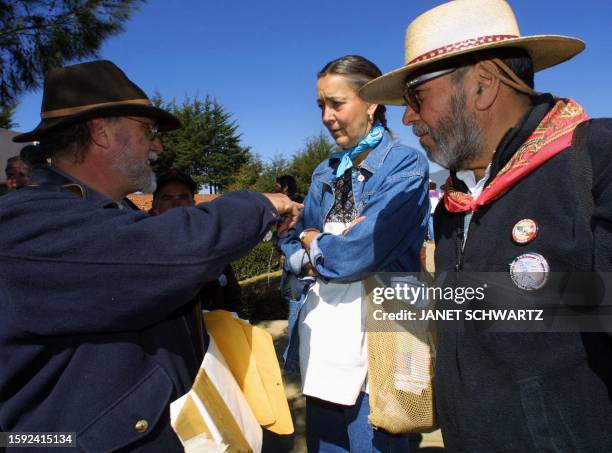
x,y
582,169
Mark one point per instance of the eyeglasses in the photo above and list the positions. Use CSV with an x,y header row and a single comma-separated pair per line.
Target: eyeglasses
x,y
152,130
411,96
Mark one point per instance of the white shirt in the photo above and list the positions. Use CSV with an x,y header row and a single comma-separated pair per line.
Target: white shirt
x,y
475,188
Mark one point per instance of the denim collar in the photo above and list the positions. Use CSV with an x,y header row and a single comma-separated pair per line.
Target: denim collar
x,y
51,176
371,163
377,156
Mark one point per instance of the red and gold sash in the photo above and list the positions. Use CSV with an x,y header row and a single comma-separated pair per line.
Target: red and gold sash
x,y
553,135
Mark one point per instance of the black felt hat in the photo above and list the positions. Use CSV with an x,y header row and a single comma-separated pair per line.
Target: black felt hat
x,y
92,90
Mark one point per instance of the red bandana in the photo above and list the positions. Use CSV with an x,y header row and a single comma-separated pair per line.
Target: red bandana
x,y
553,135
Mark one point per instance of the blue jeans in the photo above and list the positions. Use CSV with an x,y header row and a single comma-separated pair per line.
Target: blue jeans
x,y
334,428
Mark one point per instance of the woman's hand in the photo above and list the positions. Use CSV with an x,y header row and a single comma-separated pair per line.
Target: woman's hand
x,y
352,224
310,270
307,237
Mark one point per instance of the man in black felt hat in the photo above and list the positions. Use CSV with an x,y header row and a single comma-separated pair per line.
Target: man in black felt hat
x,y
97,333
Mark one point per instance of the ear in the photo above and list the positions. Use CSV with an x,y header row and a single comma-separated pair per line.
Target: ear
x,y
487,86
100,132
371,109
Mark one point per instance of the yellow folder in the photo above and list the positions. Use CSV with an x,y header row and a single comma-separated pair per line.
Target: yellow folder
x,y
251,358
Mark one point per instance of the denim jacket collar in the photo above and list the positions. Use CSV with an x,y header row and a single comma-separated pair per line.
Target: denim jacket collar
x,y
378,155
51,176
371,163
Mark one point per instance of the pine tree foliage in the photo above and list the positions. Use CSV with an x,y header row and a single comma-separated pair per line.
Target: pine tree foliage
x,y
37,35
207,146
6,116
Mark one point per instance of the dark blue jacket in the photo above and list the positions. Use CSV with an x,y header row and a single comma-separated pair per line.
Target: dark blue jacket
x,y
95,330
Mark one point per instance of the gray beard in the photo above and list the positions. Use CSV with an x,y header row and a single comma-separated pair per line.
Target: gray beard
x,y
148,183
137,171
458,136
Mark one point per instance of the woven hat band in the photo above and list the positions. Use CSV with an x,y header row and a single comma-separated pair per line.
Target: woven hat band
x,y
58,113
461,45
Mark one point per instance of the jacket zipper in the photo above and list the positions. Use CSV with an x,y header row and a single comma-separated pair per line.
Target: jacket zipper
x,y
462,242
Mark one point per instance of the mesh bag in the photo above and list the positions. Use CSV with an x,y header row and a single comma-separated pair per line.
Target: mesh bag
x,y
400,372
400,369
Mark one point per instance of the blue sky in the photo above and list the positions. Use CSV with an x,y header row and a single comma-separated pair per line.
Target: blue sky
x,y
260,59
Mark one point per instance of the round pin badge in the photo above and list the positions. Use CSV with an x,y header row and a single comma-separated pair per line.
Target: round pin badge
x,y
529,271
524,231
360,178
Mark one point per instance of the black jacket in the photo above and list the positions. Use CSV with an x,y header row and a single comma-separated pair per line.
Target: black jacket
x,y
526,392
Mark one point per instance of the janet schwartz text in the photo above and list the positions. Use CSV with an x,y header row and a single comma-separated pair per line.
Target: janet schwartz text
x,y
459,315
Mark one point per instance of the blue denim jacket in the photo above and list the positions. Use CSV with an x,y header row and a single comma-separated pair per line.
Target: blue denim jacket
x,y
390,188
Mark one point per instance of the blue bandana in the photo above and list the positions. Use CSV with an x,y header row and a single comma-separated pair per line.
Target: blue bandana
x,y
346,156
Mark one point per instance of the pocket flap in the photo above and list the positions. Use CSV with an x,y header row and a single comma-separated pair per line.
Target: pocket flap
x,y
131,417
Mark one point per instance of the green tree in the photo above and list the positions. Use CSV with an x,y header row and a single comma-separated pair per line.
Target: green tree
x,y
37,35
267,179
207,146
6,116
304,162
259,176
248,174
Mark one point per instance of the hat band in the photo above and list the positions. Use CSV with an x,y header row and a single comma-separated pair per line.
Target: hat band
x,y
462,45
83,108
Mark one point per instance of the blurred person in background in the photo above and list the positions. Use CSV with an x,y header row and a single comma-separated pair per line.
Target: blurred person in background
x,y
286,184
177,189
32,156
17,173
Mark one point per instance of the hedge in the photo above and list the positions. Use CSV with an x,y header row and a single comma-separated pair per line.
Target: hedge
x,y
259,274
261,298
263,259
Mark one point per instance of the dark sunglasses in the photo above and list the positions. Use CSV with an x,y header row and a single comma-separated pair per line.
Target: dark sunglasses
x,y
411,97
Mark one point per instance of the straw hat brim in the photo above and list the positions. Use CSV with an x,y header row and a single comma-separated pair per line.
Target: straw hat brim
x,y
545,51
165,120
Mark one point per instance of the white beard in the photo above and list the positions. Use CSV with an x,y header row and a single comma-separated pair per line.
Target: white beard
x,y
137,171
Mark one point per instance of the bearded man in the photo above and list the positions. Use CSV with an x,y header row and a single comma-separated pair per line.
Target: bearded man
x,y
530,195
99,329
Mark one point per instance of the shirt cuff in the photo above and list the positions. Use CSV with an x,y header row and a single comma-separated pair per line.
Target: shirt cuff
x,y
316,254
296,261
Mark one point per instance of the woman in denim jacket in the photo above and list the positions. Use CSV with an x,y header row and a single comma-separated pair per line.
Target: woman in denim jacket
x,y
366,211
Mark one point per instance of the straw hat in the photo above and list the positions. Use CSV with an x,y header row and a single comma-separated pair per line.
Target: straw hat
x,y
92,90
464,26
